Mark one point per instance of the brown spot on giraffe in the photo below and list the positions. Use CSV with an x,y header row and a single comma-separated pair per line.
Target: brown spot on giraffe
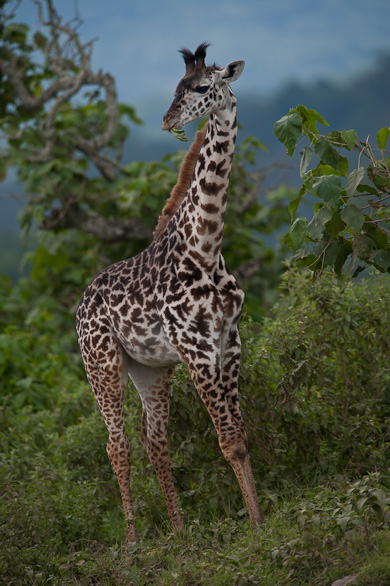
x,y
175,302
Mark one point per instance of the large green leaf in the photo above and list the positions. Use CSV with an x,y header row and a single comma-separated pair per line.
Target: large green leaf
x,y
354,179
328,188
317,225
353,217
293,205
364,246
326,152
298,232
288,130
306,155
381,259
350,137
344,250
310,118
382,137
335,225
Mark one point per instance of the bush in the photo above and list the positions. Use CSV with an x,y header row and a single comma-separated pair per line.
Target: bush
x,y
314,389
315,381
315,395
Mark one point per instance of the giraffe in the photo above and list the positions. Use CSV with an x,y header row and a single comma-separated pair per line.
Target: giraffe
x,y
175,302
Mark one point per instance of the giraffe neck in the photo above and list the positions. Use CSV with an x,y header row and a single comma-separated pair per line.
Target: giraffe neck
x,y
203,211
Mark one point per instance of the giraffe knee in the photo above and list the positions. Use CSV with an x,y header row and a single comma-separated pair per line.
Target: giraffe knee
x,y
240,452
119,456
235,452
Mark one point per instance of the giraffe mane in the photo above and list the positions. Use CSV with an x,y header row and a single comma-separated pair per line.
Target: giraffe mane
x,y
183,182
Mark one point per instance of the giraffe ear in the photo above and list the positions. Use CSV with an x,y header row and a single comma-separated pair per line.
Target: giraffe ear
x,y
232,71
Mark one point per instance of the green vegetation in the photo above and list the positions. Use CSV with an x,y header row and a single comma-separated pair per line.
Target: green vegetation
x,y
315,375
315,386
351,218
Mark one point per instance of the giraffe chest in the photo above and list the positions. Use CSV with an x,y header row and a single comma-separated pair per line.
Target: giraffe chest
x,y
199,310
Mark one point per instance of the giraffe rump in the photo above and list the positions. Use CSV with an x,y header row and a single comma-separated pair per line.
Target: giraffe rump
x,y
183,183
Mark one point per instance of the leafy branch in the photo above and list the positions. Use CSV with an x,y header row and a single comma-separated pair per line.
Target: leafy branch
x,y
351,217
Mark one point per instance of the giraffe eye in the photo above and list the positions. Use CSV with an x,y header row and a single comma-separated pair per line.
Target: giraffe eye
x,y
202,89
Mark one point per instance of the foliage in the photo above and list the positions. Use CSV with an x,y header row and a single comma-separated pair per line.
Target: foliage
x,y
315,377
314,382
351,218
314,390
63,132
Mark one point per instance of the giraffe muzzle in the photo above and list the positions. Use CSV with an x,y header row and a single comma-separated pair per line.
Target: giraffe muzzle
x,y
171,120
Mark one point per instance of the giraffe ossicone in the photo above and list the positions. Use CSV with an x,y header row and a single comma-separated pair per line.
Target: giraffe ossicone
x,y
175,302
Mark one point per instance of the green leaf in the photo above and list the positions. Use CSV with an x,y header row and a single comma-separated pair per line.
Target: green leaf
x,y
381,259
382,137
364,188
353,217
328,188
344,250
327,170
335,225
326,152
354,179
326,252
288,130
304,258
310,118
379,174
306,155
331,254
343,166
378,235
317,226
298,232
350,137
40,40
293,205
364,246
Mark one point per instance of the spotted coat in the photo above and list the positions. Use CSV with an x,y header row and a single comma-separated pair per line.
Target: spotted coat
x,y
175,302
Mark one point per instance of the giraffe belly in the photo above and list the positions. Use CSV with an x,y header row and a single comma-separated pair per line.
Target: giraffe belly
x,y
151,350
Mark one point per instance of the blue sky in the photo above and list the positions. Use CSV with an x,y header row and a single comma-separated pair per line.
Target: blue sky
x,y
280,40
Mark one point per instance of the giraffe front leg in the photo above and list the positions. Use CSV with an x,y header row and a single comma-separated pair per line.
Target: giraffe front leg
x,y
235,453
218,391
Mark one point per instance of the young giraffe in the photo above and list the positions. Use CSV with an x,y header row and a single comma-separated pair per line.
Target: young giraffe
x,y
175,302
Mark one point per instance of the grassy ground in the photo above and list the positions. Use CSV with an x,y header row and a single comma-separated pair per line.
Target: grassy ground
x,y
310,539
315,393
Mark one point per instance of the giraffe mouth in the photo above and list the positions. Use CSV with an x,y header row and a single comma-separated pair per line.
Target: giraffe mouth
x,y
171,125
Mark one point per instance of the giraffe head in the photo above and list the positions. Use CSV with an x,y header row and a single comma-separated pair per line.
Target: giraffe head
x,y
203,90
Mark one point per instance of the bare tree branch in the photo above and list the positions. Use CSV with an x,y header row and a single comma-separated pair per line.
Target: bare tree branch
x,y
246,271
103,228
66,84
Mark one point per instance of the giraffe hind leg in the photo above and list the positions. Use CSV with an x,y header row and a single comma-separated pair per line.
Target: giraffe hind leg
x,y
153,385
106,368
